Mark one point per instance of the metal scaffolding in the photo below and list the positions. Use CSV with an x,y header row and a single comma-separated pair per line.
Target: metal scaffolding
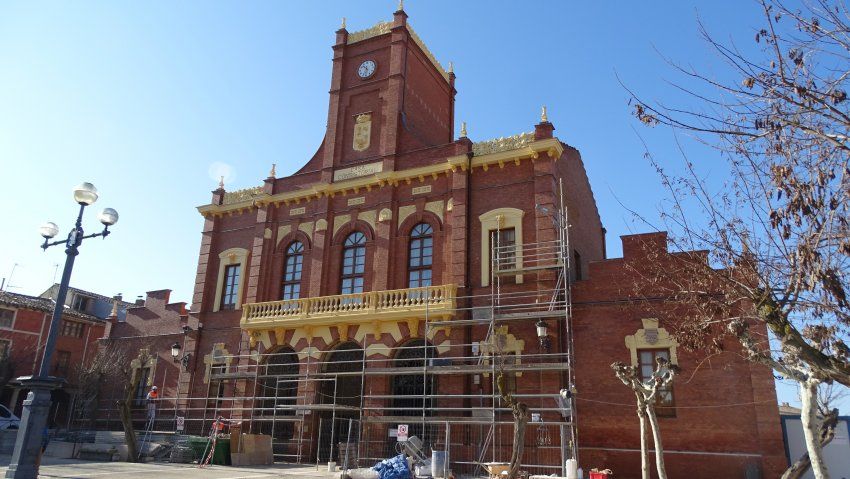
x,y
455,406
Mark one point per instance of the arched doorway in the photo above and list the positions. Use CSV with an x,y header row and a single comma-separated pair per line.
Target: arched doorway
x,y
276,395
341,385
412,390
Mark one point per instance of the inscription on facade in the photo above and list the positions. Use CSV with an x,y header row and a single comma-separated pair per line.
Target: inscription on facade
x,y
421,189
358,171
357,201
297,211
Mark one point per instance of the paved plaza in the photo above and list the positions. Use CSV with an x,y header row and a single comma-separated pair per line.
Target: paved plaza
x,y
68,468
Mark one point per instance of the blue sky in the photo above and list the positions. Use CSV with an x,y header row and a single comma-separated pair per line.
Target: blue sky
x,y
143,99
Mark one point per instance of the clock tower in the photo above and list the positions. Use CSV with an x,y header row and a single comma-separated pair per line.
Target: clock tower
x,y
388,96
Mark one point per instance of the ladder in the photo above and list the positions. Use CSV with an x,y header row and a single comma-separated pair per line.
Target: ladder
x,y
146,437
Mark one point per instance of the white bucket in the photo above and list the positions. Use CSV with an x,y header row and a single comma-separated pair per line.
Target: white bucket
x,y
572,469
331,466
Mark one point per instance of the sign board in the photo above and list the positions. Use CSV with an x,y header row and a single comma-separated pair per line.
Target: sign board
x,y
358,171
181,421
402,432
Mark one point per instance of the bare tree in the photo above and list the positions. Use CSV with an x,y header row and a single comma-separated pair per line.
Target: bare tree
x,y
108,366
770,247
520,413
646,394
133,376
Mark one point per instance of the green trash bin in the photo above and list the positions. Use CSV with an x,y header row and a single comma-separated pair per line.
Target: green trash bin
x,y
201,448
221,456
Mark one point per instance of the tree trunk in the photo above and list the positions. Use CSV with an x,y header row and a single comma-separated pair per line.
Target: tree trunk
x,y
520,413
656,435
125,413
827,433
644,454
811,426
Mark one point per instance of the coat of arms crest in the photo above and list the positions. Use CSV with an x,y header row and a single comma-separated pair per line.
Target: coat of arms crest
x,y
362,131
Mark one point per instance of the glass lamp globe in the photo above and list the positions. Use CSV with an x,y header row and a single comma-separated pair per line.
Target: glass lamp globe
x,y
85,194
48,230
108,216
175,350
542,329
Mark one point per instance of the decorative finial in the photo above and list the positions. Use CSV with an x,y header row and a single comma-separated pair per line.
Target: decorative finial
x,y
342,27
221,183
463,129
451,67
543,117
272,173
400,5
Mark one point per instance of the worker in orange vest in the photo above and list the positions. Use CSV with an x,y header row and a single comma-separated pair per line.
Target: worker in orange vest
x,y
152,397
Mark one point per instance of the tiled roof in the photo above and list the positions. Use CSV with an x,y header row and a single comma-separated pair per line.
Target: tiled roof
x,y
87,293
39,304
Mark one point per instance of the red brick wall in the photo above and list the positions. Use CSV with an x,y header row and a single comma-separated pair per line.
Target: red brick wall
x,y
708,392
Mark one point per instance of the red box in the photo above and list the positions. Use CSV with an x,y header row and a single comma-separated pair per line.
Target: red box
x,y
601,475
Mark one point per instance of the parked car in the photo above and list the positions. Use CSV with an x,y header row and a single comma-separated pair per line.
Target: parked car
x,y
7,419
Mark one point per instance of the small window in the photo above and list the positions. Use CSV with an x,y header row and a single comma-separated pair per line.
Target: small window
x,y
7,317
503,244
293,264
5,347
230,291
63,362
664,404
421,256
577,265
141,388
353,263
81,303
72,329
216,387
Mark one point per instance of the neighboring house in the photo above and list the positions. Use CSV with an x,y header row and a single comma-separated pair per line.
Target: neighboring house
x,y
836,454
380,284
24,325
87,302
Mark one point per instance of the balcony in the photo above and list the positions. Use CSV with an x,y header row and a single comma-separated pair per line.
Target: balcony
x,y
438,302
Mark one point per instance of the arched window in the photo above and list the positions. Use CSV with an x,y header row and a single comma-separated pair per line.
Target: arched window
x,y
353,263
292,270
421,253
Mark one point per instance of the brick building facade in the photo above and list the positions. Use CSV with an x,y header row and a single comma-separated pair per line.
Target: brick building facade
x,y
387,278
24,325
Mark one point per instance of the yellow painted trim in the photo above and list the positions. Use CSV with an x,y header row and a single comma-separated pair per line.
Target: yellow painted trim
x,y
339,221
638,341
306,228
226,258
404,212
369,217
500,218
282,232
550,146
150,363
435,207
376,312
208,359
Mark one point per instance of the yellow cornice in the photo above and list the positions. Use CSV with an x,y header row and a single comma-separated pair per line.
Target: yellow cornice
x,y
550,146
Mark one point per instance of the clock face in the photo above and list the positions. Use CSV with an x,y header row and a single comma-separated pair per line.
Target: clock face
x,y
366,69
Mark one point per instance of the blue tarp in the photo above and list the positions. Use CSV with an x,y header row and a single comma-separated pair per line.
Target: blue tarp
x,y
395,468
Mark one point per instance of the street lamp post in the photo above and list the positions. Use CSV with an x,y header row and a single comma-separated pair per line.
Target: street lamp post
x,y
37,405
